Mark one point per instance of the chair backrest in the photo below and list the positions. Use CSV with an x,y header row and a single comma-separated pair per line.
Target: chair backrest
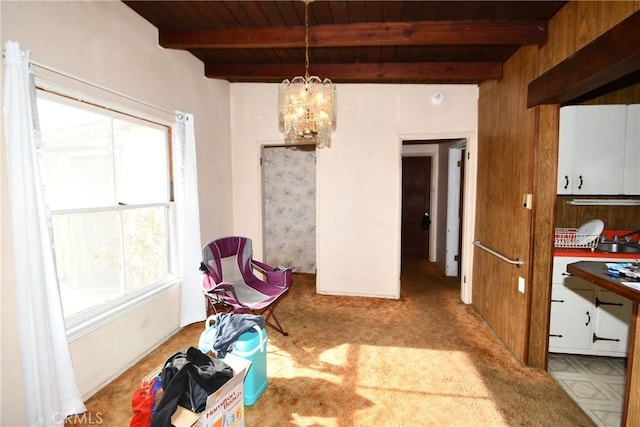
x,y
229,259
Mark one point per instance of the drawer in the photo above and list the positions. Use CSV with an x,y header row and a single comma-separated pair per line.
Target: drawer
x,y
560,268
560,265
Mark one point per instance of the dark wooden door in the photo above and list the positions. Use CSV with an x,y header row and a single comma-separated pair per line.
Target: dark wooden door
x,y
416,202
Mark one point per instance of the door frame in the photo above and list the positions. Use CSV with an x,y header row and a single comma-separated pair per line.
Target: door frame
x,y
469,201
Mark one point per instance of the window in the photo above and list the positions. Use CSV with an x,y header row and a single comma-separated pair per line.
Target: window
x,y
108,184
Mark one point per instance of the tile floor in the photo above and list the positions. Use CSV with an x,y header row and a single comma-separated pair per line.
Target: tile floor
x,y
595,383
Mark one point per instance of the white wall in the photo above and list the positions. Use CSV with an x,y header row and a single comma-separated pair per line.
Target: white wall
x,y
359,176
107,44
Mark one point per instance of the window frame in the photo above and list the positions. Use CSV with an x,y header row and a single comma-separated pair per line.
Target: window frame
x,y
86,321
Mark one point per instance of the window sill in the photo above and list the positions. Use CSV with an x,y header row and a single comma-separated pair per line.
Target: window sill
x,y
88,321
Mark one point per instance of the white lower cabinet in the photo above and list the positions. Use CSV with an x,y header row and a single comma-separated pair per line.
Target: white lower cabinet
x,y
613,315
571,319
585,318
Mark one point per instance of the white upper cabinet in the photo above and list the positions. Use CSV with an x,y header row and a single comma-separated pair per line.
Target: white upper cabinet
x,y
566,149
593,142
632,151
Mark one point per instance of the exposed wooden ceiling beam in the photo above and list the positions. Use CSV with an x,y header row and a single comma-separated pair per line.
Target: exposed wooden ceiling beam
x,y
362,72
613,55
362,34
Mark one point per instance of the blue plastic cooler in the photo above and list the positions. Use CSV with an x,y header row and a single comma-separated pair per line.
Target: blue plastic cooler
x,y
252,346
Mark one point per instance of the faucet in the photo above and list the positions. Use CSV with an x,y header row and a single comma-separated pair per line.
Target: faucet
x,y
627,236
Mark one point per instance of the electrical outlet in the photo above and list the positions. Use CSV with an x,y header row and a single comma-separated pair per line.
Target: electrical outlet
x,y
527,201
521,285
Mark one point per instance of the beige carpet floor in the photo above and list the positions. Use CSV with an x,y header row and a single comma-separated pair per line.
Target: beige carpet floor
x,y
423,360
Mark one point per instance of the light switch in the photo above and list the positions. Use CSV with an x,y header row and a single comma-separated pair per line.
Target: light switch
x,y
527,201
521,285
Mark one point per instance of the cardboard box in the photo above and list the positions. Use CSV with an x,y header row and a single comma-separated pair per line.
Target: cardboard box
x,y
225,407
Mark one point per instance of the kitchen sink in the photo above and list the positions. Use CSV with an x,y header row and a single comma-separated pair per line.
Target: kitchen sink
x,y
619,247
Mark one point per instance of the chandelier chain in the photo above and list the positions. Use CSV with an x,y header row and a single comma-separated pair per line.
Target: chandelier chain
x,y
306,40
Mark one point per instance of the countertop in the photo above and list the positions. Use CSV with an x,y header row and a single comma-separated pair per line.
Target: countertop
x,y
596,272
588,253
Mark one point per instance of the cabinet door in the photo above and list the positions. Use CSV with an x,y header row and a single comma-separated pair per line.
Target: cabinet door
x,y
571,324
591,153
566,149
613,314
632,151
600,149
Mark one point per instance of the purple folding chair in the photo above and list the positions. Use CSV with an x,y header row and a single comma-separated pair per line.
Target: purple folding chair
x,y
229,280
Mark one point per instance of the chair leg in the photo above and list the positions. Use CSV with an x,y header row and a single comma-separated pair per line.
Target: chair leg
x,y
279,327
211,309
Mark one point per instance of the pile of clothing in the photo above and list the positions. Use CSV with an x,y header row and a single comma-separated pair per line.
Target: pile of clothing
x,y
188,377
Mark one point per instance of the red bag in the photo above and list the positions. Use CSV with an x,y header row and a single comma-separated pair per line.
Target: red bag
x,y
142,403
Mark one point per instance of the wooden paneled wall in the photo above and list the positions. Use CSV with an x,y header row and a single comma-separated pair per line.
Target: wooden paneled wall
x,y
627,95
517,155
505,174
614,217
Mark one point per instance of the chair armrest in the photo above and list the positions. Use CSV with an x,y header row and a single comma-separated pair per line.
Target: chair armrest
x,y
262,266
210,286
275,276
223,288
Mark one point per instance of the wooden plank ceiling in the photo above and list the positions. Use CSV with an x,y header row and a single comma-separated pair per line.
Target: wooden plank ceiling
x,y
351,41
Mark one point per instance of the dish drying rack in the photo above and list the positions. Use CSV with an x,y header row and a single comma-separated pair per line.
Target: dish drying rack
x,y
569,238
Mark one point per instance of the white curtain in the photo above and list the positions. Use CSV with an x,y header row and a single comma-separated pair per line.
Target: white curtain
x,y
188,220
50,387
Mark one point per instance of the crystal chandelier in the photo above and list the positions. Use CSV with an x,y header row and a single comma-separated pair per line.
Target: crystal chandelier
x,y
307,105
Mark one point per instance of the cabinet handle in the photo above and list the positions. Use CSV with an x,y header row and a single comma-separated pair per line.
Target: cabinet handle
x,y
597,338
599,302
557,300
580,185
555,335
588,319
566,274
566,182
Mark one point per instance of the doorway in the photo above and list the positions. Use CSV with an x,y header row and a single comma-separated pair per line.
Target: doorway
x,y
446,211
289,206
448,182
416,208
